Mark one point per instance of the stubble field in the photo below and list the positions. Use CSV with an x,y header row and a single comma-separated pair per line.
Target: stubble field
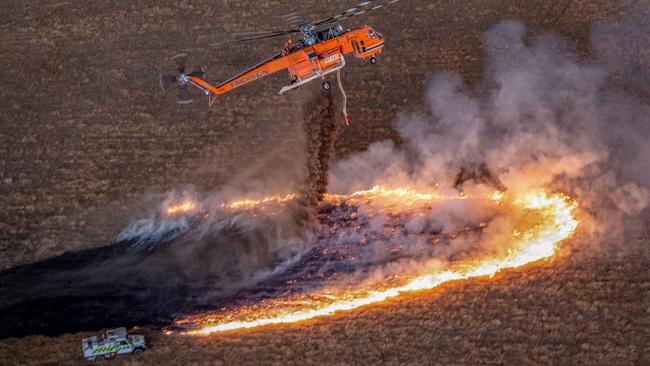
x,y
86,136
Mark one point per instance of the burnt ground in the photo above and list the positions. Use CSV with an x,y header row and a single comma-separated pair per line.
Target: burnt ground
x,y
153,286
86,133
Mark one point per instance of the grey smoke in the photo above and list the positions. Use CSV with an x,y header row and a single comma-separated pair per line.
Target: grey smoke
x,y
542,117
147,233
240,248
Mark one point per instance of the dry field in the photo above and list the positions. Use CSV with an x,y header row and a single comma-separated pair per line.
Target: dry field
x,y
86,135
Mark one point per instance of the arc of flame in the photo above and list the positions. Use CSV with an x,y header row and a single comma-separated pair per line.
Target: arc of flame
x,y
538,243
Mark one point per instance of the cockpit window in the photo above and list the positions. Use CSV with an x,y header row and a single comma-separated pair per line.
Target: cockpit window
x,y
372,34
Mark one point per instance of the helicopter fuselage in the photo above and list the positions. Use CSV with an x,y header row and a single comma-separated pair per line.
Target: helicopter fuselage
x,y
304,61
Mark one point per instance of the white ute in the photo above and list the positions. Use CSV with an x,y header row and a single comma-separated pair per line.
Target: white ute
x,y
114,342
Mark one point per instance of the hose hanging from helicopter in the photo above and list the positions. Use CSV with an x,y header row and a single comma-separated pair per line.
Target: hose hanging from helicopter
x,y
345,99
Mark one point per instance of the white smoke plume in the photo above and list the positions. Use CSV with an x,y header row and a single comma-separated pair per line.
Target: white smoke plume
x,y
542,117
205,239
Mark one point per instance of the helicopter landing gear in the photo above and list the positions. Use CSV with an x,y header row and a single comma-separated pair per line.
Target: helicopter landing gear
x,y
373,60
326,86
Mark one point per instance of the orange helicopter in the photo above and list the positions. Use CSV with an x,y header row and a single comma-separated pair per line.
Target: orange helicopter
x,y
321,51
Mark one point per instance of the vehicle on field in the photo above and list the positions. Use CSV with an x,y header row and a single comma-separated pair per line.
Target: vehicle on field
x,y
114,342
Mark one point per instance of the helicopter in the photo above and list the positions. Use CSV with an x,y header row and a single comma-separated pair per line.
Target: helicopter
x,y
320,51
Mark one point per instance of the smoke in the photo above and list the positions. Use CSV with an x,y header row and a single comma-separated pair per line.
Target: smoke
x,y
542,117
221,249
236,247
190,250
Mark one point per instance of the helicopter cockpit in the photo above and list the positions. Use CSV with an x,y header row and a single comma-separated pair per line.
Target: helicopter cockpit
x,y
311,36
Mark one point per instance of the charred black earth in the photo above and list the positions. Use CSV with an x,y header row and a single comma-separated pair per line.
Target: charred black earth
x,y
145,282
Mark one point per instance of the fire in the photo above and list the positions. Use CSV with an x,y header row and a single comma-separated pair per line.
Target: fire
x,y
251,203
497,196
190,206
180,208
402,195
548,219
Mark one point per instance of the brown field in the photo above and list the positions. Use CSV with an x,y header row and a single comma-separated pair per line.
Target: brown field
x,y
85,134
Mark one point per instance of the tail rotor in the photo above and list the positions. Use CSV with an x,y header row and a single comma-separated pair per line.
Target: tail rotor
x,y
177,83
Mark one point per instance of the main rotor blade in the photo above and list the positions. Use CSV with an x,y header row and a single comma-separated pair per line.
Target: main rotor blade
x,y
293,19
258,36
180,60
184,96
359,9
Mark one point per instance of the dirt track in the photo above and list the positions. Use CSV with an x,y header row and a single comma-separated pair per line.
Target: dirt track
x,y
85,133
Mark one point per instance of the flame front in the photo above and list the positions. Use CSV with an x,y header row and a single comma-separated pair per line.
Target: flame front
x,y
189,206
181,208
252,203
551,221
403,195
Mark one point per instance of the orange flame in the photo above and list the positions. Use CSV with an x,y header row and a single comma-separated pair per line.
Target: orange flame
x,y
251,203
553,222
189,205
402,195
182,207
